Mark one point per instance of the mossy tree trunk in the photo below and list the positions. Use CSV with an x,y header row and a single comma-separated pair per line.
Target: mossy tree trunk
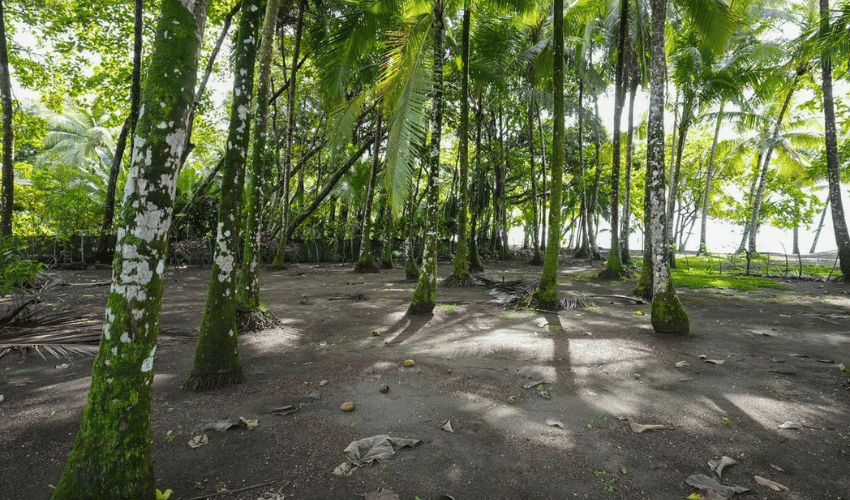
x,y
366,263
536,258
839,223
217,361
248,289
280,257
425,295
387,249
614,265
546,295
668,315
460,271
475,264
411,270
111,456
8,197
625,228
644,286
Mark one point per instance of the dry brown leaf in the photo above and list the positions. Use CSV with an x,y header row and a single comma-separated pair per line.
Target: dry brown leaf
x,y
447,426
638,428
770,484
198,441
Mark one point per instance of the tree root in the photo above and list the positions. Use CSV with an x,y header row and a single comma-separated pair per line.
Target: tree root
x,y
199,382
255,320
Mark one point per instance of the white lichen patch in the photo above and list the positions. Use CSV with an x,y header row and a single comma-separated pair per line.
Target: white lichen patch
x,y
125,338
147,364
188,4
114,351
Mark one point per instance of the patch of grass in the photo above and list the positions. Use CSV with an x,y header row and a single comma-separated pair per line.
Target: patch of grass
x,y
447,307
515,313
710,272
607,480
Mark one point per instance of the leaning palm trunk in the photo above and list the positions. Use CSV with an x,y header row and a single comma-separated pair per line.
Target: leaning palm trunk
x,y
754,217
839,224
217,361
111,456
425,296
709,175
668,315
546,294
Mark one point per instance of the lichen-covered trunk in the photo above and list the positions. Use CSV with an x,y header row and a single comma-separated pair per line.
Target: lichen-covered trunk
x,y
644,286
546,295
668,315
460,270
366,263
709,176
839,223
248,288
765,165
425,295
280,257
217,361
111,456
8,198
614,265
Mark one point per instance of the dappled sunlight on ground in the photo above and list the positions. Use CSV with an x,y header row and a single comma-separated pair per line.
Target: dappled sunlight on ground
x,y
771,412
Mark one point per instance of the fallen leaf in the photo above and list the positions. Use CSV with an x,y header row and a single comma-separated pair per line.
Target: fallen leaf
x,y
408,363
718,465
789,425
285,410
714,361
680,364
447,426
770,484
712,488
639,313
638,428
381,494
532,384
780,469
347,406
828,361
555,423
221,426
198,441
250,424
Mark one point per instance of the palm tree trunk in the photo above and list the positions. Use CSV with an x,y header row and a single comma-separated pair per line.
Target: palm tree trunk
x,y
536,258
8,197
546,295
217,361
248,288
460,272
425,296
614,266
111,456
280,258
709,175
366,263
475,264
668,315
627,188
754,218
103,253
820,226
839,223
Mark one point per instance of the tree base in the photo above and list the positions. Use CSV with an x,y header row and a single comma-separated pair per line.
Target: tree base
x,y
411,272
421,309
387,264
364,268
644,291
458,281
255,320
277,267
536,260
199,382
668,314
614,274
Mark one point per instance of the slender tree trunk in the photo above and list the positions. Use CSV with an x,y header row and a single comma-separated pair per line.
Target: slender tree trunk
x,y
668,315
584,250
820,226
614,266
644,288
103,254
387,249
542,199
425,296
111,456
536,258
754,218
676,168
594,189
366,263
475,264
411,270
460,271
502,212
248,288
280,258
217,361
709,176
546,295
625,229
8,198
839,223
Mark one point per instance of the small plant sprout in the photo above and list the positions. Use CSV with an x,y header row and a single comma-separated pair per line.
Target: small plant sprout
x,y
163,495
169,435
727,422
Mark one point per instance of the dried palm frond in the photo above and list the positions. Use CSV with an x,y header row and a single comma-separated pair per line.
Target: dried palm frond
x,y
60,335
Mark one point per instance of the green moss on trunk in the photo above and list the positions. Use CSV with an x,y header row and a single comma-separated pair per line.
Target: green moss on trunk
x,y
668,314
111,456
366,264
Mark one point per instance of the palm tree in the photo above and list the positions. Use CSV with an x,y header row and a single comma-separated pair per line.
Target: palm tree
x,y
8,170
111,456
839,224
217,361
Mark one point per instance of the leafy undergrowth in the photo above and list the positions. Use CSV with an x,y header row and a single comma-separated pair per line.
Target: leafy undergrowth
x,y
723,272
